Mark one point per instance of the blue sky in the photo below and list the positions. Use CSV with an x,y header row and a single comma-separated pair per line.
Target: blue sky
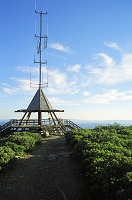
x,y
89,57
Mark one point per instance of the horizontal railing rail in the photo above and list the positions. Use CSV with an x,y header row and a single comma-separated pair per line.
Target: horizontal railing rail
x,y
68,122
34,123
6,125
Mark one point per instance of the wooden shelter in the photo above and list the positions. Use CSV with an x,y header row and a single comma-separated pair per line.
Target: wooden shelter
x,y
40,104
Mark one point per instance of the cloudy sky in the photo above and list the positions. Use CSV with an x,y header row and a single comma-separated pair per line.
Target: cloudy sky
x,y
89,55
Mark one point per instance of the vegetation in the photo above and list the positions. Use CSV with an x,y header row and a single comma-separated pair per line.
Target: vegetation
x,y
17,144
105,153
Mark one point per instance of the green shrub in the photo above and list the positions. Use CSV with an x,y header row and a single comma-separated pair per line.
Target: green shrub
x,y
26,139
6,154
16,144
106,156
18,149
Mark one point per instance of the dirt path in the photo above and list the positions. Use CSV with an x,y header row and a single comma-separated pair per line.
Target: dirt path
x,y
49,173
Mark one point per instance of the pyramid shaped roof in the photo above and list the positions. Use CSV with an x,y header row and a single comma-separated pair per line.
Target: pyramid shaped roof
x,y
39,102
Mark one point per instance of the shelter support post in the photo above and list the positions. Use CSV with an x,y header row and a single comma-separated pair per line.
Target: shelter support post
x,y
39,118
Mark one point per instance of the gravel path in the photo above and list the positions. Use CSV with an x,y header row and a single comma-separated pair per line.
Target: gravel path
x,y
48,173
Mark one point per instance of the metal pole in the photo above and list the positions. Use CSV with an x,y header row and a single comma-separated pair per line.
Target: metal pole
x,y
40,66
40,49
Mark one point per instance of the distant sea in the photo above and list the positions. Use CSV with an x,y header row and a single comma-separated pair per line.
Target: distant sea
x,y
3,122
92,123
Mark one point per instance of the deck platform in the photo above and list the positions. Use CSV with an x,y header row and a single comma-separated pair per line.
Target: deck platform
x,y
47,126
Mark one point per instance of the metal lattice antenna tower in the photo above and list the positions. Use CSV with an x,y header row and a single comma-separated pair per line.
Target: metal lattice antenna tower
x,y
41,38
40,103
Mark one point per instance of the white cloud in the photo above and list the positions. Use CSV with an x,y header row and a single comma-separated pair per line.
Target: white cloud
x,y
22,86
75,92
74,68
106,71
67,89
112,45
106,60
103,71
62,102
57,78
100,61
86,93
59,47
108,97
25,69
8,89
58,82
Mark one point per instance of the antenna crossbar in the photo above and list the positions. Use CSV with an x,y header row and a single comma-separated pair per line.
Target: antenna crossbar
x,y
43,13
44,63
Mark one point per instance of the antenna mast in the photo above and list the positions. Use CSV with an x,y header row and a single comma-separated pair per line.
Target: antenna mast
x,y
42,39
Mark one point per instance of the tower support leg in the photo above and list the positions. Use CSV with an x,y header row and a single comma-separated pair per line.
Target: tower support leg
x,y
39,118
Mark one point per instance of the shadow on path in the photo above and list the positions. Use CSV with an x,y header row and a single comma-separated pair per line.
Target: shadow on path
x,y
48,173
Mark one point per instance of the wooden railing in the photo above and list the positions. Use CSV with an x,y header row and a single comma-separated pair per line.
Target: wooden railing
x,y
64,123
71,124
6,125
31,122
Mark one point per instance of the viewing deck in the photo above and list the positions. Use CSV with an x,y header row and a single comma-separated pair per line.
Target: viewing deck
x,y
47,126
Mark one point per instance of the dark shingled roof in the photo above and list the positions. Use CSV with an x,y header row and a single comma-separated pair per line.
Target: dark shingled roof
x,y
39,102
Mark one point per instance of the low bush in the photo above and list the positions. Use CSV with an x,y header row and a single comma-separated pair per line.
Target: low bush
x,y
6,154
26,139
17,144
106,155
18,149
